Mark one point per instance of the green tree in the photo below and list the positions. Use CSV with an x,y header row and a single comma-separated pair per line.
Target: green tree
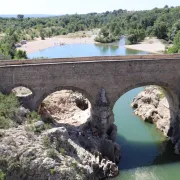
x,y
2,175
20,54
42,35
7,46
176,47
161,30
20,16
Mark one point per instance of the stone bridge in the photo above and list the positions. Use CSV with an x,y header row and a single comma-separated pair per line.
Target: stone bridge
x,y
103,80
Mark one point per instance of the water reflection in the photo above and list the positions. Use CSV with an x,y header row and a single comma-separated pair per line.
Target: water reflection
x,y
80,50
107,48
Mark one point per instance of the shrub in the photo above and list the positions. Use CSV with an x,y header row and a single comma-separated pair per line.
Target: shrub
x,y
3,57
108,39
46,142
20,54
34,115
52,153
5,123
2,175
47,126
62,151
74,165
8,106
52,171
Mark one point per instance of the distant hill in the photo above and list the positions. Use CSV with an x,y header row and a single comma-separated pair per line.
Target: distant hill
x,y
28,15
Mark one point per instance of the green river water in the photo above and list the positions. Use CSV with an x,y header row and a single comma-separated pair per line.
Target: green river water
x,y
146,154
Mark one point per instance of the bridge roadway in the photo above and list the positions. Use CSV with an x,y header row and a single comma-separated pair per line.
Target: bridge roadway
x,y
109,76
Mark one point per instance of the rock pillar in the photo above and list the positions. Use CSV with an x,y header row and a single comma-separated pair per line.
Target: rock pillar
x,y
102,114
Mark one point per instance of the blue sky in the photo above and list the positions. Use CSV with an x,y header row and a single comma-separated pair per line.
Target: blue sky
x,y
78,6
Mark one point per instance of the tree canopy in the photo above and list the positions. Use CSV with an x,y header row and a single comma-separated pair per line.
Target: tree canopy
x,y
135,25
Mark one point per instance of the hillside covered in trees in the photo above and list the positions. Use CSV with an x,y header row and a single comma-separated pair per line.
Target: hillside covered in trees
x,y
136,25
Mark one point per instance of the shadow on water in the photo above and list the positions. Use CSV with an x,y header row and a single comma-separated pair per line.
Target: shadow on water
x,y
141,143
141,154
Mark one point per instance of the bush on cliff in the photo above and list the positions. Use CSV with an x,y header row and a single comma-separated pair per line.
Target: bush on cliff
x,y
8,106
2,175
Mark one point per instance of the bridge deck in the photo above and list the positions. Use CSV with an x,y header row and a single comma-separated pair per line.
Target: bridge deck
x,y
89,59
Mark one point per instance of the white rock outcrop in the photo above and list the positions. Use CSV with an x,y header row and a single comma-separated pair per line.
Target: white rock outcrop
x,y
152,106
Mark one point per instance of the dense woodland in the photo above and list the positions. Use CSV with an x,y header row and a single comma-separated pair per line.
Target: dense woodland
x,y
135,25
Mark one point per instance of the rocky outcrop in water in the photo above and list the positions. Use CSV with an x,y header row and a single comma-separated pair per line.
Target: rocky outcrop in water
x,y
60,146
153,107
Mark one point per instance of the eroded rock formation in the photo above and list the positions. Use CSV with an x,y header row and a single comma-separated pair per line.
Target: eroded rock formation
x,y
153,106
66,107
70,147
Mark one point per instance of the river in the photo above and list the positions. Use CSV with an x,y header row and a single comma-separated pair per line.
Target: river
x,y
146,154
83,50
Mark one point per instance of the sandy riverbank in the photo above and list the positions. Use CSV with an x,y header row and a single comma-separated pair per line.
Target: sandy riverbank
x,y
152,45
38,44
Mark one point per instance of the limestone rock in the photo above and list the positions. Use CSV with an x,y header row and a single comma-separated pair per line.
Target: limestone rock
x,y
20,115
66,108
110,150
60,133
71,150
152,107
102,115
39,124
177,147
112,132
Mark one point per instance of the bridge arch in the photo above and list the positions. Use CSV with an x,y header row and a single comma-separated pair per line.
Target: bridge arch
x,y
10,88
60,88
66,105
171,95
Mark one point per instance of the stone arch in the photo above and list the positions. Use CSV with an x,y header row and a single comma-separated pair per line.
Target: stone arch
x,y
171,94
23,91
172,98
66,107
74,89
10,88
23,98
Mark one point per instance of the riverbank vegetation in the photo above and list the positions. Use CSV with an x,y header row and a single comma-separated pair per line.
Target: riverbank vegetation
x,y
176,44
8,106
164,23
8,49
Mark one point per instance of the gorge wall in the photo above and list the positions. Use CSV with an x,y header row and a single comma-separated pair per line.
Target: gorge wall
x,y
153,106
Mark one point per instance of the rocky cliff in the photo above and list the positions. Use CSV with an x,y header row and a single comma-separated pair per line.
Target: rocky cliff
x,y
152,106
60,145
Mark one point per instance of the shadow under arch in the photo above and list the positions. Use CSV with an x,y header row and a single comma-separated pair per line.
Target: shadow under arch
x,y
60,88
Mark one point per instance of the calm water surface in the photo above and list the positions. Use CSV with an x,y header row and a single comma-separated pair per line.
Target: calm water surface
x,y
146,154
82,50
